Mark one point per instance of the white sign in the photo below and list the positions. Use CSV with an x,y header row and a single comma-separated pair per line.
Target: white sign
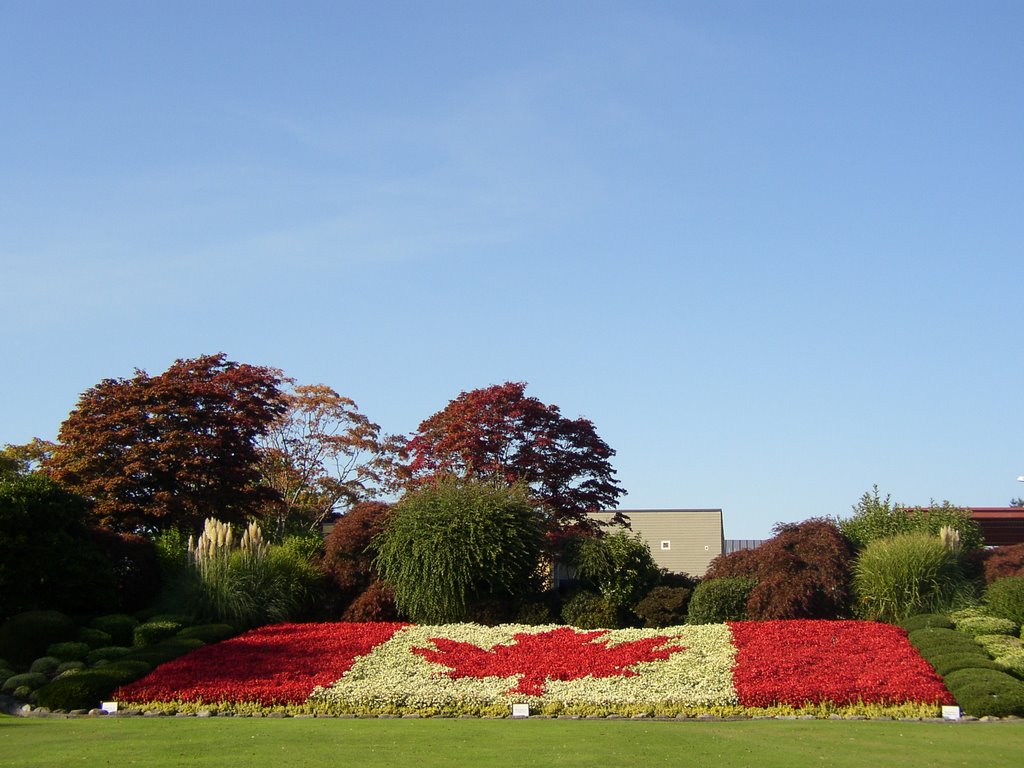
x,y
109,706
520,710
951,713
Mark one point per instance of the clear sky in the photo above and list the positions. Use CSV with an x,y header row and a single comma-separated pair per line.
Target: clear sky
x,y
773,250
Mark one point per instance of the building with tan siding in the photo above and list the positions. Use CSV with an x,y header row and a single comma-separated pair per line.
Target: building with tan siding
x,y
681,540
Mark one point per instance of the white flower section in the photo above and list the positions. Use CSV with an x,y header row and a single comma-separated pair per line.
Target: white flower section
x,y
392,676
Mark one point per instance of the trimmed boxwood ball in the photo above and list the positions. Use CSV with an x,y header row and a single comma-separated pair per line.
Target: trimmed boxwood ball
x,y
923,620
154,655
69,651
945,663
110,653
26,636
84,690
153,632
987,625
119,626
70,666
986,692
936,640
208,633
31,680
664,606
95,638
718,600
587,610
47,665
126,670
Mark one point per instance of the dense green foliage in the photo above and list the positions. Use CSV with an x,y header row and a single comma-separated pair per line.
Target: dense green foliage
x,y
588,610
802,572
664,606
453,544
1005,598
922,620
83,690
876,518
721,599
910,573
26,636
619,565
981,692
120,627
48,559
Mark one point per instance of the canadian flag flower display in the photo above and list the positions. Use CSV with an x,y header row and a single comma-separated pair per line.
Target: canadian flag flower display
x,y
394,667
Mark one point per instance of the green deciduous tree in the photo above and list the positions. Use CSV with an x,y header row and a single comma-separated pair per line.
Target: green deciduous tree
x,y
877,518
455,544
619,565
151,452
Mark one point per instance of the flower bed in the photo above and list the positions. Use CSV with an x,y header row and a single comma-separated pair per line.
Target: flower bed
x,y
811,666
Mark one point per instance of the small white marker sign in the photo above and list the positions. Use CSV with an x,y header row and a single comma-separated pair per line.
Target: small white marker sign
x,y
520,710
951,713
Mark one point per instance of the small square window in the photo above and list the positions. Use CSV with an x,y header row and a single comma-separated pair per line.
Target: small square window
x,y
665,545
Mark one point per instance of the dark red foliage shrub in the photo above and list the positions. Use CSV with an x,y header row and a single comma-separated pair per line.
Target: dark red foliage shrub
x,y
349,551
1000,562
803,572
133,560
376,603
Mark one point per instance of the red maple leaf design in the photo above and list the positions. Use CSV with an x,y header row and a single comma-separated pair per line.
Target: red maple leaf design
x,y
558,654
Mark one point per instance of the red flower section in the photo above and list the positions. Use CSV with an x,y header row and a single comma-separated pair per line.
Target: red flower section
x,y
844,662
559,654
278,664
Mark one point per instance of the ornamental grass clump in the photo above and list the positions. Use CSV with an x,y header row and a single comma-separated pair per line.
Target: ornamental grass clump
x,y
910,573
243,582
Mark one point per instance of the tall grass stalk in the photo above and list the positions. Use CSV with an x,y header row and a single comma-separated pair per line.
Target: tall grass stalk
x,y
910,573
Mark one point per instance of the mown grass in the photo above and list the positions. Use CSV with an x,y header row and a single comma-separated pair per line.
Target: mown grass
x,y
259,743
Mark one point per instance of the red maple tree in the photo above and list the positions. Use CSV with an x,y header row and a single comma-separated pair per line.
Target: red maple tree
x,y
558,654
498,433
152,452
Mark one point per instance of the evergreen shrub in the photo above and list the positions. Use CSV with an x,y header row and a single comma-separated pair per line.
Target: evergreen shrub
x,y
986,692
85,690
1005,597
934,640
944,663
664,606
208,633
717,600
587,610
68,651
120,627
31,680
46,665
70,666
987,625
153,632
94,638
106,654
922,620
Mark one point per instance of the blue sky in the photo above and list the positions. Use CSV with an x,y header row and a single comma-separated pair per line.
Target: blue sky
x,y
772,250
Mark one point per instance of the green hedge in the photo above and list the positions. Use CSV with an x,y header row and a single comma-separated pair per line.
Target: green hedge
x,y
987,692
717,600
85,690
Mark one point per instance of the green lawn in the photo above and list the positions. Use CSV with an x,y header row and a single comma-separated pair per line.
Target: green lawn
x,y
255,743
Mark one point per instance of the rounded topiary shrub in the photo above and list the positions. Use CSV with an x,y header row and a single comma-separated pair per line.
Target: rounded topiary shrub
x,y
1005,598
85,690
94,638
69,651
986,692
26,636
933,640
154,655
664,606
126,670
208,633
153,632
31,680
47,665
922,620
987,625
70,666
944,663
587,610
110,653
718,600
120,627
535,614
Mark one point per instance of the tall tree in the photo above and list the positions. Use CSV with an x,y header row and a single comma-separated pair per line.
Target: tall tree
x,y
498,433
152,452
320,456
